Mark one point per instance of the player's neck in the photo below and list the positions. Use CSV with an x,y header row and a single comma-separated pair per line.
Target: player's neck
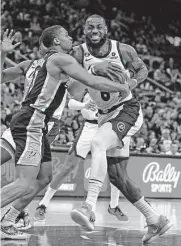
x,y
57,49
100,51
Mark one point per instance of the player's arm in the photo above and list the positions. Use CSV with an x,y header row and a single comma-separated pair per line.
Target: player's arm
x,y
6,46
78,91
69,65
10,74
135,65
78,53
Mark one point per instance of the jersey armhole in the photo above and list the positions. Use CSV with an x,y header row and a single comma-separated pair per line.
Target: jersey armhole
x,y
119,52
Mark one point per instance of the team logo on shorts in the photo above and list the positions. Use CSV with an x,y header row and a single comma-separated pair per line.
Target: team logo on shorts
x,y
31,157
113,53
121,126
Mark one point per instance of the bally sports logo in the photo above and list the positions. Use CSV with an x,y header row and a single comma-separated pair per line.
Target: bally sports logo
x,y
161,180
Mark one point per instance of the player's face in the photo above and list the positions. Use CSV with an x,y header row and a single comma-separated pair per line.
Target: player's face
x,y
64,40
95,31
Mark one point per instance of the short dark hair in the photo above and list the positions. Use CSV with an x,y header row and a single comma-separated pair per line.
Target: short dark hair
x,y
96,16
48,35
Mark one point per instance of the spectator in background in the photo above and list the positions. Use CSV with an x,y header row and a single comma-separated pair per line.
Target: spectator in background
x,y
3,120
166,139
175,147
35,54
177,99
152,146
6,21
140,145
35,25
141,48
60,139
159,73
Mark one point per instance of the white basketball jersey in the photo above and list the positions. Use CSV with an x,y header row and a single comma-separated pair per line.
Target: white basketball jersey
x,y
104,100
87,113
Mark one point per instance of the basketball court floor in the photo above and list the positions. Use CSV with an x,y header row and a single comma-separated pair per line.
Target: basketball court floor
x,y
60,230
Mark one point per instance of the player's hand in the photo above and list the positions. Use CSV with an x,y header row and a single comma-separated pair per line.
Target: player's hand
x,y
110,70
6,43
104,67
91,106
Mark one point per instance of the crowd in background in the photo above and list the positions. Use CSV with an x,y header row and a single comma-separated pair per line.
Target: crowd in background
x,y
161,131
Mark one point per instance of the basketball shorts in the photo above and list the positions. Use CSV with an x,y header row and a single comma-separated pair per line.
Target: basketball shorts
x,y
53,131
126,124
82,144
28,131
7,137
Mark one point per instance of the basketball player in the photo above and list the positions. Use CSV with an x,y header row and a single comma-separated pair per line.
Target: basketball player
x,y
120,117
78,154
7,144
29,125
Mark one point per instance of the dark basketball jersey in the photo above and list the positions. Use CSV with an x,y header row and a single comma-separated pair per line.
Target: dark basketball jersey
x,y
44,92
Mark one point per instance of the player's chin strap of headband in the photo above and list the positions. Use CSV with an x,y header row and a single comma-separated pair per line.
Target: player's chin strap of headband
x,y
107,111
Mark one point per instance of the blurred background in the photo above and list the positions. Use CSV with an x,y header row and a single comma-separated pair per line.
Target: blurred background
x,y
152,27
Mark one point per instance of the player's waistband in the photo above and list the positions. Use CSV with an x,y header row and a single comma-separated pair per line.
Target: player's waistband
x,y
107,111
92,121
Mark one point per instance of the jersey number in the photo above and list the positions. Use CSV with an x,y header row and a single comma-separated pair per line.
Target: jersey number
x,y
105,96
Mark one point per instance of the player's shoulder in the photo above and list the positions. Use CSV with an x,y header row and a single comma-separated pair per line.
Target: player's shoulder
x,y
125,47
60,58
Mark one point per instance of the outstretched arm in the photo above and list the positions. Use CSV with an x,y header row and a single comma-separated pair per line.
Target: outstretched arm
x,y
6,46
69,65
10,74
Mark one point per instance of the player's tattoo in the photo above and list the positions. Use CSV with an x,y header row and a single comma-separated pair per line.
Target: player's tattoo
x,y
130,55
138,69
142,74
